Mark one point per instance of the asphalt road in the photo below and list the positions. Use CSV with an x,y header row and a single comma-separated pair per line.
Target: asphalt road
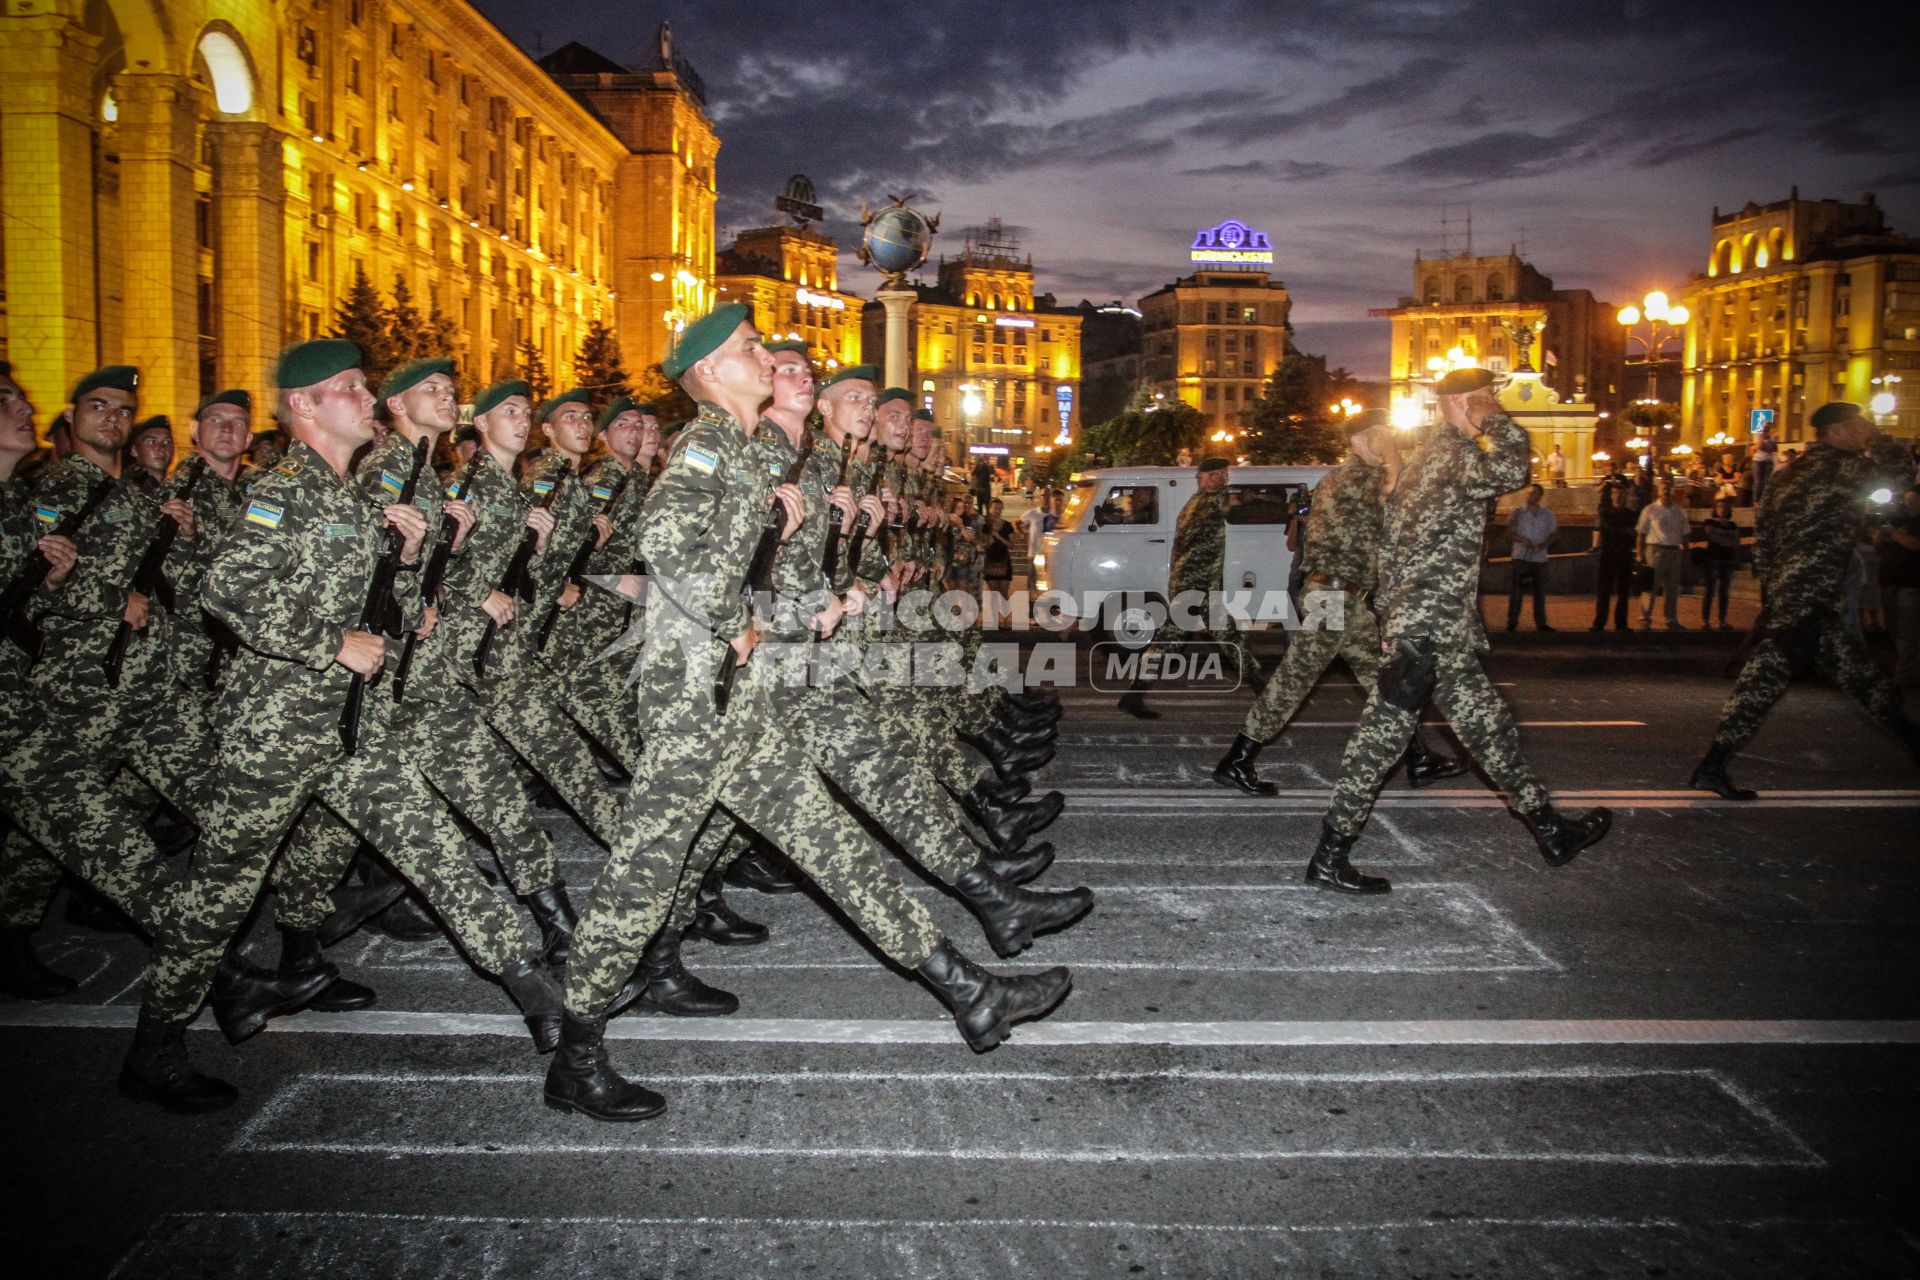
x,y
1692,1052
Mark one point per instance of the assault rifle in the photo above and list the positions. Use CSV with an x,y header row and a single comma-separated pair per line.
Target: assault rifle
x,y
434,574
14,622
759,575
517,581
374,614
577,567
149,576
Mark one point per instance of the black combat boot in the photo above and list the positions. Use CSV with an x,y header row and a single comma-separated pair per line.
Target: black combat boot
x,y
557,921
1009,826
1236,768
88,908
22,976
1010,916
406,921
1035,699
245,995
1329,868
1134,703
1008,762
1020,718
1426,767
718,922
300,955
355,904
532,986
580,1079
1024,866
157,1069
1018,739
1004,792
662,983
763,870
1711,775
985,1004
1560,838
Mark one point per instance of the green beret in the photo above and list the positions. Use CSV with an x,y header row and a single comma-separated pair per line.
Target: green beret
x,y
489,400
305,364
862,372
670,429
1460,381
240,400
924,415
117,377
466,432
1366,420
412,374
624,404
704,336
893,393
573,395
158,422
787,344
1213,464
1835,413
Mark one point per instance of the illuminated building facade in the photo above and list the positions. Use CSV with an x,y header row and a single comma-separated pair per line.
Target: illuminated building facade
x,y
988,357
790,276
190,185
1214,338
1802,302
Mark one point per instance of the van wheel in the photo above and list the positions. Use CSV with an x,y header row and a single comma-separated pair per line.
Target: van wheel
x,y
1132,620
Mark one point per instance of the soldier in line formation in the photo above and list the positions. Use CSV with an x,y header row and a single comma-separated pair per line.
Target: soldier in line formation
x,y
316,665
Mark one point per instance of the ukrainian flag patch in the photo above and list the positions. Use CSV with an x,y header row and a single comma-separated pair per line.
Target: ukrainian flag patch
x,y
46,515
701,459
543,486
392,483
601,492
265,514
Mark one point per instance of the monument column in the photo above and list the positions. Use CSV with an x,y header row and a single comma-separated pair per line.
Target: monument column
x,y
157,119
249,278
896,302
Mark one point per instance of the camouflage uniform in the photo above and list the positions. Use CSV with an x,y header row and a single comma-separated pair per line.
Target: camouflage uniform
x,y
596,680
217,503
1808,522
1198,569
291,581
1343,534
697,535
58,780
28,877
1428,600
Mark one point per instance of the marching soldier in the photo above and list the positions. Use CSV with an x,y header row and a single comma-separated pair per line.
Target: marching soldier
x,y
222,430
1343,539
150,453
698,533
293,581
1428,600
1809,520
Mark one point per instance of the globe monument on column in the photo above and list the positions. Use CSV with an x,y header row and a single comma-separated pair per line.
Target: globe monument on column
x,y
896,240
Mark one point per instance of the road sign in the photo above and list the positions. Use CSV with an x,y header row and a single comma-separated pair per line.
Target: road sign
x,y
1759,420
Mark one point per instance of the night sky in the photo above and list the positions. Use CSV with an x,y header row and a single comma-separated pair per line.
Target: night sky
x,y
1105,132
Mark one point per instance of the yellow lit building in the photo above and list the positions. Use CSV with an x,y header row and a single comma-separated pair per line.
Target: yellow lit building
x,y
999,368
188,185
790,276
1214,339
1802,302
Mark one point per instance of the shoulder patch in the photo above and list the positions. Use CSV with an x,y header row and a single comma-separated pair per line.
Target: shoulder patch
x,y
601,492
47,515
543,486
287,468
774,468
700,458
265,514
392,483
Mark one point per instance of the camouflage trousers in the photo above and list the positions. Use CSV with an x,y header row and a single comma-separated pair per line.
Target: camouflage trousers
x,y
59,783
750,765
1229,639
589,668
28,880
1307,659
266,779
470,767
1480,720
531,711
1822,643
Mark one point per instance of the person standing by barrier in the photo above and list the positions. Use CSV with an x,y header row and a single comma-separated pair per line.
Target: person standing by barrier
x,y
1717,558
1531,527
1663,531
1613,538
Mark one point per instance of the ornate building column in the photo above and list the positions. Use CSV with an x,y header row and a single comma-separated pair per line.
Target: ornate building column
x,y
156,130
249,274
46,192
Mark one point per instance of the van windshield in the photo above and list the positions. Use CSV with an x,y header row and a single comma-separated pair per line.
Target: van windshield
x,y
1128,504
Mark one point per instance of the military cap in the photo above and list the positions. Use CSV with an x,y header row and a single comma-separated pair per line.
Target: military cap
x,y
892,394
1366,420
787,344
704,336
241,400
1460,381
465,432
624,404
924,415
305,364
158,422
1212,464
489,400
551,406
115,377
412,374
647,407
863,372
1834,413
667,431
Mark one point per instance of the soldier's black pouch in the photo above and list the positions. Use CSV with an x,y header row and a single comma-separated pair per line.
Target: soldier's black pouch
x,y
1408,677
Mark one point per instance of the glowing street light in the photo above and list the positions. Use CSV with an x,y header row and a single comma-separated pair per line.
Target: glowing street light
x,y
1664,321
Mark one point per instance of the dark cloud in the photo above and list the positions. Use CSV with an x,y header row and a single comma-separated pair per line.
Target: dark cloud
x,y
1488,158
1283,170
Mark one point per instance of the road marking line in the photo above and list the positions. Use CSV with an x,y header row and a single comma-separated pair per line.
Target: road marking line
x,y
872,1031
1142,799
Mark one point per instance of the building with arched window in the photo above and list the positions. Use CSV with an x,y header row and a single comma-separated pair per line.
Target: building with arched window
x,y
189,185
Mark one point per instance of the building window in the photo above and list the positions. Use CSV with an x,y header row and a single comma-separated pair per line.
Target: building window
x,y
1250,315
353,76
1232,394
313,260
1213,313
1212,394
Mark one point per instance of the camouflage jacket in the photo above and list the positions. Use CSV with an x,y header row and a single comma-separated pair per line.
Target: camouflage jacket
x,y
584,631
1343,529
290,580
1809,520
380,478
19,534
1435,531
800,587
217,503
573,509
499,519
80,621
697,534
1199,544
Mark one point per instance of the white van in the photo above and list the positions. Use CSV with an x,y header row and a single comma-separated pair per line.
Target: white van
x,y
1112,553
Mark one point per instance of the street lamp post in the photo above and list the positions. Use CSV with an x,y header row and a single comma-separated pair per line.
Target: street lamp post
x,y
1661,322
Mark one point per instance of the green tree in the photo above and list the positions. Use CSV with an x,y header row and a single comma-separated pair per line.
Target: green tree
x,y
655,387
1104,396
597,366
406,332
1293,422
533,369
362,319
437,337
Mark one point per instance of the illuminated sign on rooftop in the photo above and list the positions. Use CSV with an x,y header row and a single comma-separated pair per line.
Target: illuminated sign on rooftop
x,y
1233,245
